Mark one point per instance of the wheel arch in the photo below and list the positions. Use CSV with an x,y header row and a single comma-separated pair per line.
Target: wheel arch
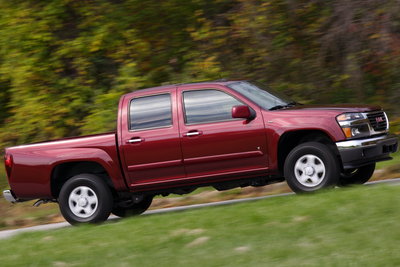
x,y
291,139
64,171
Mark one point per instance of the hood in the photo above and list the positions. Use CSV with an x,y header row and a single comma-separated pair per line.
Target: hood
x,y
339,108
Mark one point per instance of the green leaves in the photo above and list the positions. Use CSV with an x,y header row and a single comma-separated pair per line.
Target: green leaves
x,y
64,64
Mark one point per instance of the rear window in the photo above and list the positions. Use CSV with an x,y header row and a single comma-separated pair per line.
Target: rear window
x,y
150,112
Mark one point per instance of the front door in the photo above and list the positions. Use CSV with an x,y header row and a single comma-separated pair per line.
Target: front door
x,y
215,143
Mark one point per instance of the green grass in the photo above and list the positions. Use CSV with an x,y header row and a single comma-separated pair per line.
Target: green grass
x,y
345,227
388,163
3,178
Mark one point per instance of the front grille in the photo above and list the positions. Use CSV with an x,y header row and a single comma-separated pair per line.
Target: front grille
x,y
377,121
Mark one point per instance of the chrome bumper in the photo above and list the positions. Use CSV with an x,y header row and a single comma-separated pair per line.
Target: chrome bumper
x,y
357,153
364,143
8,195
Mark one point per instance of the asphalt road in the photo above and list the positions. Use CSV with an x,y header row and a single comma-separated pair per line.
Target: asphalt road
x,y
9,233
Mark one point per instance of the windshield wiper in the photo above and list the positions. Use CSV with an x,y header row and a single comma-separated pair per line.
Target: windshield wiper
x,y
290,104
293,103
277,107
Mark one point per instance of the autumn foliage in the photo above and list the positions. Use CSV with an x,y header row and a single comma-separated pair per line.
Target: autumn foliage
x,y
65,63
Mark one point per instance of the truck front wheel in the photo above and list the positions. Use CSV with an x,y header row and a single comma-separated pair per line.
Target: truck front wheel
x,y
129,208
85,198
357,176
311,166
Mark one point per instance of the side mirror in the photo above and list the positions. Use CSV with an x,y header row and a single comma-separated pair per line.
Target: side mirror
x,y
243,112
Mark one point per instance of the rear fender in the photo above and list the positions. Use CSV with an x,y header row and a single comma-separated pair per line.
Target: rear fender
x,y
32,171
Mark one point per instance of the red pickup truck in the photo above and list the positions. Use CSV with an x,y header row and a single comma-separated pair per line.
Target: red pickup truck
x,y
176,138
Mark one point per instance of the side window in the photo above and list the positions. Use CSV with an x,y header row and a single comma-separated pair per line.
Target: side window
x,y
208,106
150,112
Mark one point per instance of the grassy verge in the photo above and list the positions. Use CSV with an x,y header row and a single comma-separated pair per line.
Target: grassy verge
x,y
346,227
3,177
394,162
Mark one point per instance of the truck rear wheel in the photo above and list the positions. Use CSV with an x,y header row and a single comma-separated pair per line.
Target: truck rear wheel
x,y
127,209
311,166
357,176
85,198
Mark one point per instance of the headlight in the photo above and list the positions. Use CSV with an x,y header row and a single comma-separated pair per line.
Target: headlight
x,y
350,117
356,131
354,125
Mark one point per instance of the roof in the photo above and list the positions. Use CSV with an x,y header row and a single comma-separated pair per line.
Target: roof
x,y
216,82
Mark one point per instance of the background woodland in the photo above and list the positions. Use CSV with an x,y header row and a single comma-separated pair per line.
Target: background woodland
x,y
65,63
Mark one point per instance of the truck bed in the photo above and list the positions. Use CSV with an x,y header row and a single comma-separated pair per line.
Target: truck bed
x,y
34,164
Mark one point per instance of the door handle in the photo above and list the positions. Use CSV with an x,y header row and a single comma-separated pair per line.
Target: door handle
x,y
193,133
135,140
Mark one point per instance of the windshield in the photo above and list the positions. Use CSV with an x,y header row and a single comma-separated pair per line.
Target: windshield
x,y
266,100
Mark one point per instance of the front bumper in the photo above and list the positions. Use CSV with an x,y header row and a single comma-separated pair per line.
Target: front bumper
x,y
357,153
9,196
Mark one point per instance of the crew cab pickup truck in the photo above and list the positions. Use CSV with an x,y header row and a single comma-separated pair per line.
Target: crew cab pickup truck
x,y
176,138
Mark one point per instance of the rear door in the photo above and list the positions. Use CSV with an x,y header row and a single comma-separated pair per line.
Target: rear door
x,y
150,139
212,141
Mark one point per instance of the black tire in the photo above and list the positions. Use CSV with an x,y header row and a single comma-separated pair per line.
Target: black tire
x,y
357,176
311,166
85,198
129,208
